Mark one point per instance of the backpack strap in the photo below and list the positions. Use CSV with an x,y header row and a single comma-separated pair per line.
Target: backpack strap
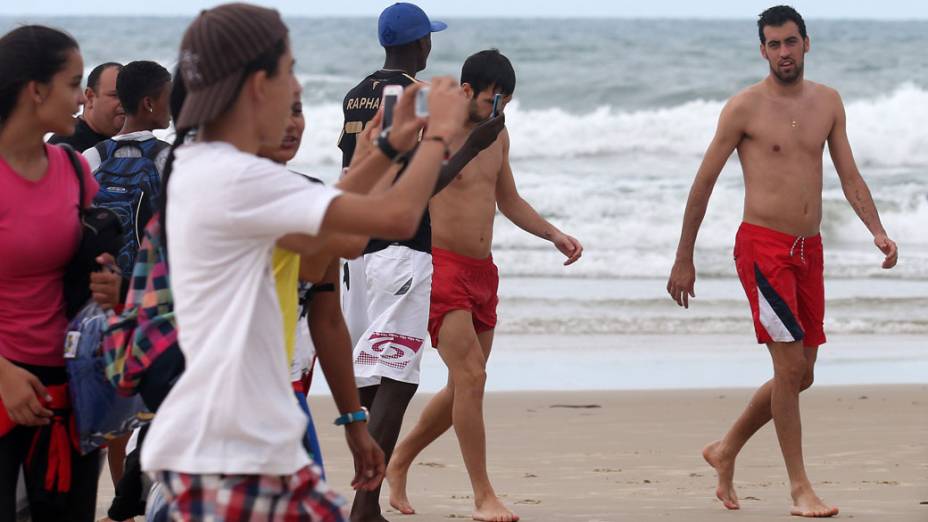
x,y
151,148
106,148
79,171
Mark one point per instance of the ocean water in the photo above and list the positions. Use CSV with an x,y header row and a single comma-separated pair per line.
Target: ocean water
x,y
609,123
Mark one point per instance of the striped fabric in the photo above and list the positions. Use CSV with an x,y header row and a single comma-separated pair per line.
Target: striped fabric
x,y
146,329
775,313
303,496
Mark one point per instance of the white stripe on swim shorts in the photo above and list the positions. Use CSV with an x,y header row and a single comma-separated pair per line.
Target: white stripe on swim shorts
x,y
771,321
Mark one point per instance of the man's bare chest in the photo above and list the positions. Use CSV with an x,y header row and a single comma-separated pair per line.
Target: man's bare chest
x,y
481,173
789,131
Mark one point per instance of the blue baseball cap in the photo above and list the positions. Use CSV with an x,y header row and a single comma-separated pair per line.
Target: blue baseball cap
x,y
402,23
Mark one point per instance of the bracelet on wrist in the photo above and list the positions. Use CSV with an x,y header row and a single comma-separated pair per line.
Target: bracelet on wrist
x,y
444,143
352,417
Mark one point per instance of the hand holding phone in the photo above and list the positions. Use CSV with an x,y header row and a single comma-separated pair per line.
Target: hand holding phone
x,y
497,101
405,127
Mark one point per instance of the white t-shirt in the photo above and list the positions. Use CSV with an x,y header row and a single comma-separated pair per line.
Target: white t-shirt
x,y
233,410
93,155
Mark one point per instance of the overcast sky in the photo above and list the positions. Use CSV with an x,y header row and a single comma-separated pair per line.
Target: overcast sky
x,y
886,9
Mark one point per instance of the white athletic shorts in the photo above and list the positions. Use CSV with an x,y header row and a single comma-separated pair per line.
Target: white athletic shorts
x,y
385,301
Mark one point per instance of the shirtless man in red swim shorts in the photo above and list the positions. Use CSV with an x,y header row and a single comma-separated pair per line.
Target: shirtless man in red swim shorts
x,y
779,127
464,284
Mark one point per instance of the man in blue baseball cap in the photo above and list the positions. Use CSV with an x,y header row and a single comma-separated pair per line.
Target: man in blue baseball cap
x,y
405,32
387,322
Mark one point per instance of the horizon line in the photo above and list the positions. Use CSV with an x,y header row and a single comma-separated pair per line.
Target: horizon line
x,y
473,17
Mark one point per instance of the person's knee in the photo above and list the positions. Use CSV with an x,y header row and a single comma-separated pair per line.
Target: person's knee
x,y
807,379
469,377
791,373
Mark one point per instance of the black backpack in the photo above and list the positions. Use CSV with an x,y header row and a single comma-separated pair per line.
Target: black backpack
x,y
100,233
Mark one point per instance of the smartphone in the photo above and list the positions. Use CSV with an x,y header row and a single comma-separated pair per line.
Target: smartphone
x,y
391,95
497,100
422,103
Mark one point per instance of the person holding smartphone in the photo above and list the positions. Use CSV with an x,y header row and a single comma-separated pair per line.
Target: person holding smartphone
x,y
386,291
463,300
227,440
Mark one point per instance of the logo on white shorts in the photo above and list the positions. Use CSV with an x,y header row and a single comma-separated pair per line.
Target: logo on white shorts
x,y
392,349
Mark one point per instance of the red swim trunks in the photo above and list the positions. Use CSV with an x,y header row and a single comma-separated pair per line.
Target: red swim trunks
x,y
462,283
783,278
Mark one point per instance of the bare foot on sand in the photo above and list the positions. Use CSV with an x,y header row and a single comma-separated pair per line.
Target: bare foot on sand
x,y
396,478
493,510
807,504
725,467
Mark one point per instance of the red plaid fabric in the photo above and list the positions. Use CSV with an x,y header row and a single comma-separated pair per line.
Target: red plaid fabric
x,y
303,496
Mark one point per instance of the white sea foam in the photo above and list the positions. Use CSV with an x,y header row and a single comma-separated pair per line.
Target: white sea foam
x,y
888,131
618,181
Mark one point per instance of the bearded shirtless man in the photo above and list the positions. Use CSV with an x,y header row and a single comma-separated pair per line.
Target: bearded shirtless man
x,y
779,127
464,285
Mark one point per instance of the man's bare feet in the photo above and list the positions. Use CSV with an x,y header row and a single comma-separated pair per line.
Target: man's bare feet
x,y
725,467
396,479
493,510
807,504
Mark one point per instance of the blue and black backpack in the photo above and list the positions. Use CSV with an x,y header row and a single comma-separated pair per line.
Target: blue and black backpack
x,y
130,188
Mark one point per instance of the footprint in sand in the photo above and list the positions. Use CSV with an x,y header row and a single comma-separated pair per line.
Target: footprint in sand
x,y
431,464
528,501
530,475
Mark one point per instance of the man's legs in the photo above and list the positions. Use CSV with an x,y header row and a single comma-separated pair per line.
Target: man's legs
x,y
458,347
387,403
721,454
462,353
777,399
129,499
789,369
434,420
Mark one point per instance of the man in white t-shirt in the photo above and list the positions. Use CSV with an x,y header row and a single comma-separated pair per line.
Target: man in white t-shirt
x,y
227,439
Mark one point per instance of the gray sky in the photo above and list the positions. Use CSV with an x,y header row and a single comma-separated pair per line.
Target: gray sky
x,y
886,9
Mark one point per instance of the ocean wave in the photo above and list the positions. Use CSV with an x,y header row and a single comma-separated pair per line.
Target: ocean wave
x,y
618,181
888,131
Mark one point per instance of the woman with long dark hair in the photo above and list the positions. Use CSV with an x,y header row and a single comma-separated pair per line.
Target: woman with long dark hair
x,y
40,91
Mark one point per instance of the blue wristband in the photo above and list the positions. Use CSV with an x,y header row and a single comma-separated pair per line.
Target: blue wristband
x,y
355,416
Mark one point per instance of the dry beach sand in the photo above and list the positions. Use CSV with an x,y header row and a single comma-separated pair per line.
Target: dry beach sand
x,y
635,456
